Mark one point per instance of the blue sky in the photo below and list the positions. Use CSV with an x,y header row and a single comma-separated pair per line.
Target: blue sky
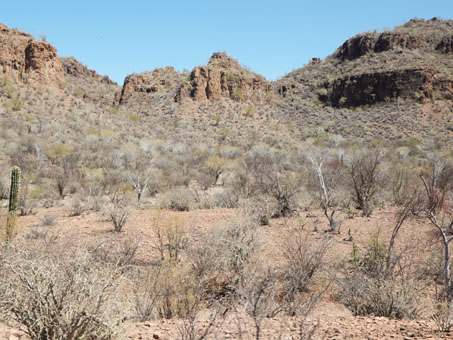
x,y
271,37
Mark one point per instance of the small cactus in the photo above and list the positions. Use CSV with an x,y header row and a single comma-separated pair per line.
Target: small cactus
x,y
13,202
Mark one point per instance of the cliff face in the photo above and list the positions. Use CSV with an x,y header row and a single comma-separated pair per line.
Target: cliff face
x,y
29,61
446,45
143,87
361,45
224,78
370,88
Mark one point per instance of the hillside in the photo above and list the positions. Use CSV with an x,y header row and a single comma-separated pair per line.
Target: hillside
x,y
216,204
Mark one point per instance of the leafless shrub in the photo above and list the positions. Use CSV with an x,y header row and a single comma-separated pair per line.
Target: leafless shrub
x,y
49,220
118,211
119,217
77,208
443,315
178,199
223,256
259,293
168,290
59,296
303,259
258,208
366,288
190,329
171,235
366,176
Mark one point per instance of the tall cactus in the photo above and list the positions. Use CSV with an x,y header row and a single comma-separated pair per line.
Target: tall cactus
x,y
13,202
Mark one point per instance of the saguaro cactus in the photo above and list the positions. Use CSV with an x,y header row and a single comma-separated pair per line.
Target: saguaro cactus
x,y
13,202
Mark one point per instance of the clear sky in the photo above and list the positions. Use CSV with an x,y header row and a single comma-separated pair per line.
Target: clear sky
x,y
271,37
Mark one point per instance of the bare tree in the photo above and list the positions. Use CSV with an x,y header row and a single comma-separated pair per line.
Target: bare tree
x,y
327,202
366,178
139,181
438,209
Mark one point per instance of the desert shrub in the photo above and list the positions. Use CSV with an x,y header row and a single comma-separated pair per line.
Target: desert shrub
x,y
49,220
178,199
168,290
368,289
118,211
222,257
59,296
303,260
119,216
366,175
77,208
171,235
442,315
258,208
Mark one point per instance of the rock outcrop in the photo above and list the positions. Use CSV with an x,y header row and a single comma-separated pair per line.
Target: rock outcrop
x,y
391,40
143,87
356,47
75,68
224,78
446,45
361,45
370,88
29,61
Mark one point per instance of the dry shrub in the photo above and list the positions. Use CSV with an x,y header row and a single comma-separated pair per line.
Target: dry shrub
x,y
168,290
223,256
260,208
178,199
443,315
303,260
171,234
367,288
118,211
59,296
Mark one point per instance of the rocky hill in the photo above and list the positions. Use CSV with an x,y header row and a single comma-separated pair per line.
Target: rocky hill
x,y
411,62
28,61
389,85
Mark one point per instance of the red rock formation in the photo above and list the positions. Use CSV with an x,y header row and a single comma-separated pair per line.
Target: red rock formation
x,y
223,77
370,88
390,40
446,44
29,61
356,47
142,86
75,68
366,43
42,64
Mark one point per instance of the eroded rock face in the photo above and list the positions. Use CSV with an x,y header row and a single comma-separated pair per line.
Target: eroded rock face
x,y
42,64
363,44
356,47
223,77
391,40
142,86
75,68
29,61
446,44
370,88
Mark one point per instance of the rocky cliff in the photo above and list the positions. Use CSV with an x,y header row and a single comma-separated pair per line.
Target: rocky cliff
x,y
145,87
224,78
29,61
369,88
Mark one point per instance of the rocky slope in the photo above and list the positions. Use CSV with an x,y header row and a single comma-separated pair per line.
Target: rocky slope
x,y
87,84
28,61
402,77
412,62
223,77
